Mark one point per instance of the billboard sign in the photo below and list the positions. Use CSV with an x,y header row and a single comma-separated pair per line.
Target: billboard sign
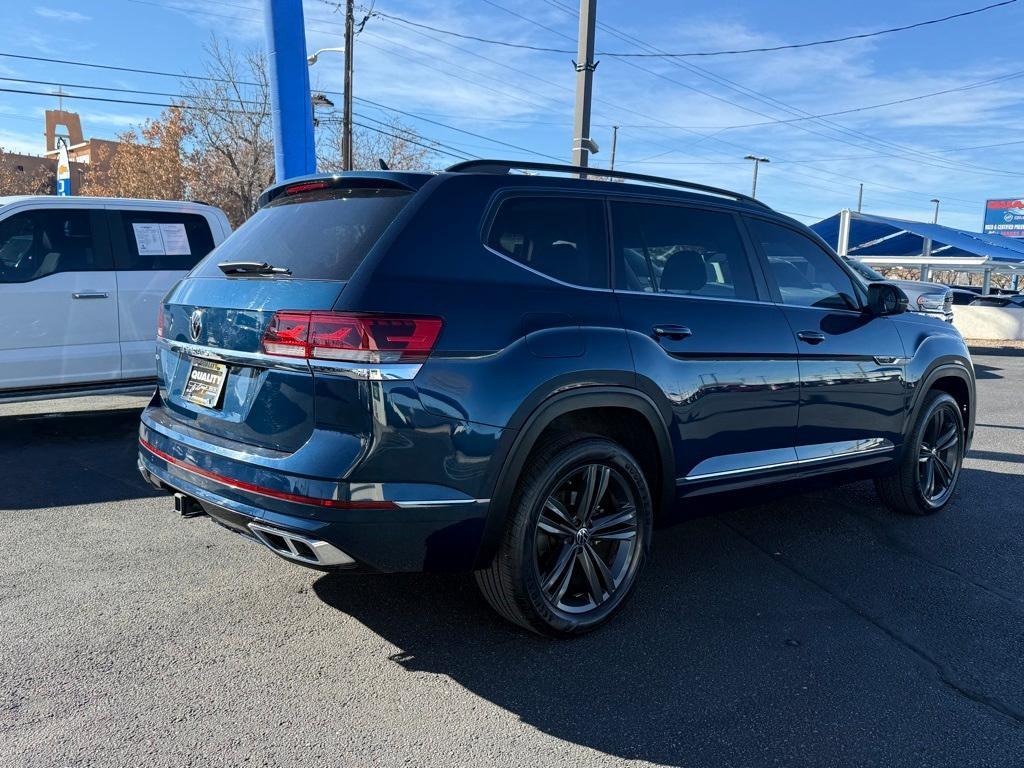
x,y
1004,217
64,169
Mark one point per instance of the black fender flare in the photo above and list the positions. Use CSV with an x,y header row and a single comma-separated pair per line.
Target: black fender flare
x,y
945,370
521,442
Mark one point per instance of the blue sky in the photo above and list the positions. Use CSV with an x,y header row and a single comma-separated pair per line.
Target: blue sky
x,y
676,120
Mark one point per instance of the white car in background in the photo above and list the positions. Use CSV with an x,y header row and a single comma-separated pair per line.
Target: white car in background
x,y
81,280
932,299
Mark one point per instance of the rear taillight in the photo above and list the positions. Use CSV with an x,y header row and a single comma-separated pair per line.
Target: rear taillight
x,y
160,321
355,338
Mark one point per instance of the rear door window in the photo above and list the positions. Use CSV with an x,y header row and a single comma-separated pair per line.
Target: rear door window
x,y
323,234
34,244
160,240
685,251
561,237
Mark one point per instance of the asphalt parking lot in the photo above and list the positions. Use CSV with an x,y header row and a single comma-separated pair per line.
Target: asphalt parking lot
x,y
809,630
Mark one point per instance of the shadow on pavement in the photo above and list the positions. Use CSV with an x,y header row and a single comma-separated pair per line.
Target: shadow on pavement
x,y
66,460
982,371
725,655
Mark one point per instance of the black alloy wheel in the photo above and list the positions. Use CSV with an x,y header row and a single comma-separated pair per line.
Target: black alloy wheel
x,y
924,477
586,538
576,536
939,457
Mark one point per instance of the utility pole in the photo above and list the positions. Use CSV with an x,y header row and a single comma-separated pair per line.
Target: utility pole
x,y
860,197
615,140
582,144
757,161
346,133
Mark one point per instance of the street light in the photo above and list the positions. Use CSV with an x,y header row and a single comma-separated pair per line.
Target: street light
x,y
312,58
757,161
936,201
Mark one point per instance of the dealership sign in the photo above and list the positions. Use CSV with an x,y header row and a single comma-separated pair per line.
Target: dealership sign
x,y
63,169
1005,217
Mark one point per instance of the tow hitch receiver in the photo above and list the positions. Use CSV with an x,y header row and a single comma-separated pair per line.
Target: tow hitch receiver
x,y
186,506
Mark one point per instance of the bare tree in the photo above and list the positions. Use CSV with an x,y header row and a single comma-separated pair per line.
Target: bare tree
x,y
399,146
232,149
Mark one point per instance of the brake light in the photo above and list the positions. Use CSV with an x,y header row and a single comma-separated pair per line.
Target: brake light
x,y
306,186
287,335
160,321
356,338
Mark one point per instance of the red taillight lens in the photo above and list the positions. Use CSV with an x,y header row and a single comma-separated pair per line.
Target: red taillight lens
x,y
351,337
160,321
287,335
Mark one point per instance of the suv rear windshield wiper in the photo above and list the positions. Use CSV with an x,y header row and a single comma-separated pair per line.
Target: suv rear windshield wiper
x,y
251,268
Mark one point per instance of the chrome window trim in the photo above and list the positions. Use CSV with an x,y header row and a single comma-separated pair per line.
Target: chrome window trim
x,y
871,446
555,280
701,298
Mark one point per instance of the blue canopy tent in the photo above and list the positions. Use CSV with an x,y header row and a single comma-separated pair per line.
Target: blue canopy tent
x,y
889,241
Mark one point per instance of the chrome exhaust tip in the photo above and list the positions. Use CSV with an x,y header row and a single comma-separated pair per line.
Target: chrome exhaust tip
x,y
299,548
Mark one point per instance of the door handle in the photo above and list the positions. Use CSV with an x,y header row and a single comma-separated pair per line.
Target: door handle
x,y
675,332
90,295
811,337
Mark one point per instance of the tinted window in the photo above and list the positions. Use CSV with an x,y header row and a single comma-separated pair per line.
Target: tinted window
x,y
686,251
35,244
560,237
807,276
163,240
323,235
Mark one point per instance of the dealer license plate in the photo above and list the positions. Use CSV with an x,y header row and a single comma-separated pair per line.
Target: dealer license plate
x,y
205,382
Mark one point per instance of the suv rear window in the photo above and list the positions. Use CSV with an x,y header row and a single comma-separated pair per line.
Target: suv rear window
x,y
323,235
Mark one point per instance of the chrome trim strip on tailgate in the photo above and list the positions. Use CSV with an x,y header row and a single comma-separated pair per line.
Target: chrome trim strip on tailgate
x,y
360,371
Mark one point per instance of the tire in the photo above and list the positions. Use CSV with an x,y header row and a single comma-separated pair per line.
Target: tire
x,y
933,448
546,573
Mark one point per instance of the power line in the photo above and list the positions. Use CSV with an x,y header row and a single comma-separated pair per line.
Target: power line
x,y
923,158
688,54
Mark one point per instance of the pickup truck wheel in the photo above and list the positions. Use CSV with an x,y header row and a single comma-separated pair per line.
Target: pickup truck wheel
x,y
928,472
578,531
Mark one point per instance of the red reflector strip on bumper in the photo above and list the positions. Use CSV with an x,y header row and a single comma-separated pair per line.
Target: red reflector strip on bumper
x,y
261,491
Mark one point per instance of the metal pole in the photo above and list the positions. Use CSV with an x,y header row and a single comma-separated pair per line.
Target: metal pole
x,y
757,161
615,140
935,220
346,135
584,82
843,245
926,252
986,282
291,109
860,197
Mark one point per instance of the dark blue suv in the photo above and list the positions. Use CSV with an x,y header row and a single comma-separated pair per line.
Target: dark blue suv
x,y
518,374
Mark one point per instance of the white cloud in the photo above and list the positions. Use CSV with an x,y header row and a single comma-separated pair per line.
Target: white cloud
x,y
59,14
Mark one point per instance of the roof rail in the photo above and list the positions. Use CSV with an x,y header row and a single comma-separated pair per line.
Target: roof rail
x,y
505,166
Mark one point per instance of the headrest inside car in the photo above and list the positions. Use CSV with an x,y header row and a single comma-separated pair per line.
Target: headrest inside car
x,y
684,271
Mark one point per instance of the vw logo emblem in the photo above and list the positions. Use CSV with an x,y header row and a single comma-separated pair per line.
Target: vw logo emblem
x,y
195,324
582,537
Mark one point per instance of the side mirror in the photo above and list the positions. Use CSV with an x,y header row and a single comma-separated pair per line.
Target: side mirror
x,y
886,299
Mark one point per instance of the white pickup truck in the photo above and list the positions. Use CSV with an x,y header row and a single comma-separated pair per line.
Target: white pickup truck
x,y
81,279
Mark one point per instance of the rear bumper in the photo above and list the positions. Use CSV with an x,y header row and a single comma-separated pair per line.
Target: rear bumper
x,y
378,526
